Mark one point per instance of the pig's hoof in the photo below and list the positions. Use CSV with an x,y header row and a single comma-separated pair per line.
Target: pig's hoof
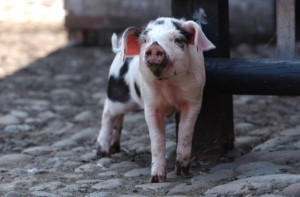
x,y
180,168
115,148
157,179
101,153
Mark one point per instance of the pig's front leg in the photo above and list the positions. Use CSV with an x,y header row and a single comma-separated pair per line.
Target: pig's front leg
x,y
155,120
188,117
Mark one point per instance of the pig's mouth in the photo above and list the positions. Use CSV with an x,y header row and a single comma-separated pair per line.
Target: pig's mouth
x,y
158,66
162,72
157,69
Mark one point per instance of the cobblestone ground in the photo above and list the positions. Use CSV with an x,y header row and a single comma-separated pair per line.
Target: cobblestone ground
x,y
50,117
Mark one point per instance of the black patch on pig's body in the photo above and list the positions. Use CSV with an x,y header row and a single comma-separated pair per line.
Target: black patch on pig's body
x,y
118,89
137,89
182,31
125,66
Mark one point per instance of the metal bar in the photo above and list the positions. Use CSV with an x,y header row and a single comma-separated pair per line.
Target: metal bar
x,y
253,77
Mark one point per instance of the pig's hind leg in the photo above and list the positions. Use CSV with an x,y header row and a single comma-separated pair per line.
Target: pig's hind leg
x,y
111,126
116,137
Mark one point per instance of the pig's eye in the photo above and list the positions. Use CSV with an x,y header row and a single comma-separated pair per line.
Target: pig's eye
x,y
179,42
144,40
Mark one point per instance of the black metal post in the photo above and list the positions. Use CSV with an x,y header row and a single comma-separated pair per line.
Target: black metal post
x,y
213,134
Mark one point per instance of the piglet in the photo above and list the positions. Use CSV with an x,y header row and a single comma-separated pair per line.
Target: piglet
x,y
160,69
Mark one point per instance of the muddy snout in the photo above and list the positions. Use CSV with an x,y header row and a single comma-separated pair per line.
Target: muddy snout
x,y
156,58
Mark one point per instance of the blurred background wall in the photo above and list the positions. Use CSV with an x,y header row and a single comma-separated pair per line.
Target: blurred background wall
x,y
109,16
250,20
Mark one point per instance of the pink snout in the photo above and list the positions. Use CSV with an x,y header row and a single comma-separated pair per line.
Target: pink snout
x,y
156,58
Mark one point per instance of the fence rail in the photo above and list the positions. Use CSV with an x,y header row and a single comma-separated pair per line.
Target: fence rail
x,y
253,76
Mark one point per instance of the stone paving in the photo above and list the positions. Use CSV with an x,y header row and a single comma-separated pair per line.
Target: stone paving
x,y
49,120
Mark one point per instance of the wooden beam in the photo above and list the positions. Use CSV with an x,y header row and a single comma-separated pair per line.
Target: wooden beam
x,y
286,33
297,20
253,77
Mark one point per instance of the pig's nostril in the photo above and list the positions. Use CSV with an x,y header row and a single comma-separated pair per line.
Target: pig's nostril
x,y
159,53
155,55
148,53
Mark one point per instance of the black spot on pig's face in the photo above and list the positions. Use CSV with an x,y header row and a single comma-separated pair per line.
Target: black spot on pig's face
x,y
159,22
146,32
185,34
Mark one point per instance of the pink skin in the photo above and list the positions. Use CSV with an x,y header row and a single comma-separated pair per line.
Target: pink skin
x,y
169,68
156,59
155,54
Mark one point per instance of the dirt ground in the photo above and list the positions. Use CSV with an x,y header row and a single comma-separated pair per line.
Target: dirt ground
x,y
29,29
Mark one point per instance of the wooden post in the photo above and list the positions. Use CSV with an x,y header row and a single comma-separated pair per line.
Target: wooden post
x,y
286,33
213,134
297,20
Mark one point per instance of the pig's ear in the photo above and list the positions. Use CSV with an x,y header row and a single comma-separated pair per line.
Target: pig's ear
x,y
198,38
130,41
